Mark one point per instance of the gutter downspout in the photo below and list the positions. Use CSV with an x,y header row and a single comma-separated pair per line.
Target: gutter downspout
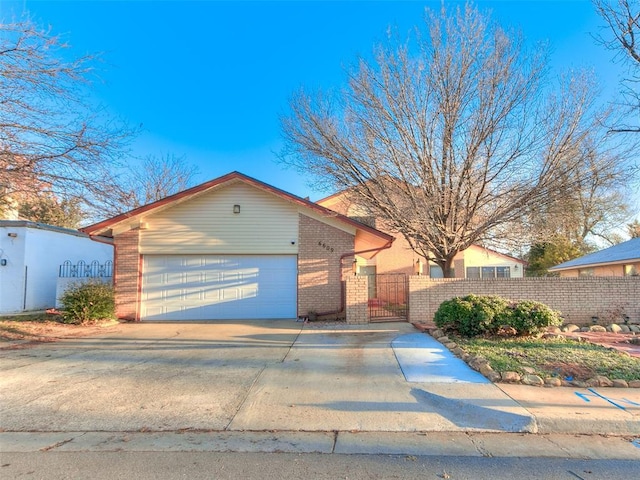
x,y
342,287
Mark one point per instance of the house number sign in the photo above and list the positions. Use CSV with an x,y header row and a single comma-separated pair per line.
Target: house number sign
x,y
325,246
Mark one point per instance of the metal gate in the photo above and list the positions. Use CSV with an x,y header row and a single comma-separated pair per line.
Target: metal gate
x,y
388,297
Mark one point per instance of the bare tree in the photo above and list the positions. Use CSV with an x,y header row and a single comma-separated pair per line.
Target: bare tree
x,y
50,133
595,208
146,181
622,18
451,136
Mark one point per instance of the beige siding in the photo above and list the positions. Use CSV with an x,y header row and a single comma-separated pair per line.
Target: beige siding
x,y
266,224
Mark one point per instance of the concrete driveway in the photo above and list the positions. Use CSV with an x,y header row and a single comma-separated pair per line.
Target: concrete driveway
x,y
269,375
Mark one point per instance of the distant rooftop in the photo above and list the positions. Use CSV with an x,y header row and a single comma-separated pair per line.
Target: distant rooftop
x,y
628,251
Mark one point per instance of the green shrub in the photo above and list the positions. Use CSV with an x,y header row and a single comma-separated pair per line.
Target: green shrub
x,y
529,317
88,302
472,315
475,315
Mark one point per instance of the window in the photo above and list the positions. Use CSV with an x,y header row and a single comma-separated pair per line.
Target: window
x,y
435,271
473,272
631,270
488,272
503,272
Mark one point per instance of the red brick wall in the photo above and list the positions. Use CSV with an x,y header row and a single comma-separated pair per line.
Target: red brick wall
x,y
126,274
578,299
320,274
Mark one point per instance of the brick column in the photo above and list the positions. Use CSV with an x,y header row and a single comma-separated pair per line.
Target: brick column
x,y
357,299
419,298
126,274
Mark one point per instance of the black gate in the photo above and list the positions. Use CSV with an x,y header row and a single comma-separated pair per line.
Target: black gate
x,y
388,297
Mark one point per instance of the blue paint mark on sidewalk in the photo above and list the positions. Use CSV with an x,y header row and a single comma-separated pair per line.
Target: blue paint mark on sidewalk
x,y
616,402
425,360
636,442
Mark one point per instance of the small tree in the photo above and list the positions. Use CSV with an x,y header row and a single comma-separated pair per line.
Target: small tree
x,y
46,208
149,180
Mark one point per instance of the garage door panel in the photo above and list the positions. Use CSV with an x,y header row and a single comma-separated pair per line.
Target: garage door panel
x,y
208,287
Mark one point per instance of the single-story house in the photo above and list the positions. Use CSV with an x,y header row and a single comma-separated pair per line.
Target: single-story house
x,y
474,262
31,256
622,260
234,248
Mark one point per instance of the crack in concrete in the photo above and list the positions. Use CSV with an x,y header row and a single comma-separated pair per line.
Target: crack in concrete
x,y
60,443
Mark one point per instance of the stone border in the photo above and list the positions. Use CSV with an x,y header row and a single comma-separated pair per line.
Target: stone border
x,y
481,365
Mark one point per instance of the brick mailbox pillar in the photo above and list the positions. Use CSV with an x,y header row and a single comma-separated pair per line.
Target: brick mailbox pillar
x,y
357,299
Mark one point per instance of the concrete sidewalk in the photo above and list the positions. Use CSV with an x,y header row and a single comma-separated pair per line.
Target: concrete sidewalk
x,y
572,410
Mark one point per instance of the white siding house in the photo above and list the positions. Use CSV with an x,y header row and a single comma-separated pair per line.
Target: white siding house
x,y
30,258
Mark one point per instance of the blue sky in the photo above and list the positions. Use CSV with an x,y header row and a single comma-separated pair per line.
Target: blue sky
x,y
209,79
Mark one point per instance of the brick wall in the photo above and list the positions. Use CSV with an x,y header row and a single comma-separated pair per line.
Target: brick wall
x,y
578,299
125,275
320,273
357,299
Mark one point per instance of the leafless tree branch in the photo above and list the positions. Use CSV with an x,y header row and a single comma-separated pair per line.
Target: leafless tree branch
x,y
451,136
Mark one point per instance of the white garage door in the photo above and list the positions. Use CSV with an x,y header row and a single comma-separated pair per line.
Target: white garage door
x,y
218,287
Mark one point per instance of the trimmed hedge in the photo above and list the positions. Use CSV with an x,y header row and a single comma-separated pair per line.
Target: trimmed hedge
x,y
475,315
88,302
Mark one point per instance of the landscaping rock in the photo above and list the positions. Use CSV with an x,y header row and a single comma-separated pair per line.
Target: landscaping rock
x,y
458,352
625,329
600,381
476,362
619,383
529,370
443,339
634,328
485,369
437,333
597,328
614,328
493,377
553,330
532,380
451,345
570,328
579,384
634,340
550,335
585,329
634,384
510,377
553,382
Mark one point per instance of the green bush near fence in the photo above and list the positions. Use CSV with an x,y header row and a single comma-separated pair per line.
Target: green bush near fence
x,y
88,302
476,315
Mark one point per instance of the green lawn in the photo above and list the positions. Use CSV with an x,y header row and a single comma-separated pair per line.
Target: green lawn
x,y
558,357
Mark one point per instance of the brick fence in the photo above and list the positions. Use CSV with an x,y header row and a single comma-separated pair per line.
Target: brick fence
x,y
578,299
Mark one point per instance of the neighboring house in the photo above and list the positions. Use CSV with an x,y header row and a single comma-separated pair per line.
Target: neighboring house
x,y
622,260
233,248
474,262
30,258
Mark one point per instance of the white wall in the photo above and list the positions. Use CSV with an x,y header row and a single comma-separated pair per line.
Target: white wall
x,y
12,274
34,258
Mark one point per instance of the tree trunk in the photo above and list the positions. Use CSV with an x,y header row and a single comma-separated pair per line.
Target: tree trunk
x,y
447,267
